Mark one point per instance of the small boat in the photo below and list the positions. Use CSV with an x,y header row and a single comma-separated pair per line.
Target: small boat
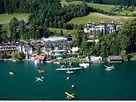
x,y
84,65
41,71
68,77
109,68
39,79
72,86
69,95
11,73
69,72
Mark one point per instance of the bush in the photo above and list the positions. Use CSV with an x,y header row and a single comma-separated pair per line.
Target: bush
x,y
17,56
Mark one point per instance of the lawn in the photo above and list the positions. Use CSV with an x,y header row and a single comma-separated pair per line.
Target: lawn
x,y
97,17
64,3
106,8
58,30
124,13
5,18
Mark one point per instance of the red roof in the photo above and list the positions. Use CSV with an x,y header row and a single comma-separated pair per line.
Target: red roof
x,y
40,57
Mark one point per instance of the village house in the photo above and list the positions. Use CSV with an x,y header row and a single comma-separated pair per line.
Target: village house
x,y
27,49
114,59
90,29
9,48
96,41
95,59
57,47
54,44
75,50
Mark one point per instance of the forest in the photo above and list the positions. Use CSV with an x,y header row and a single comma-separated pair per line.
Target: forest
x,y
43,14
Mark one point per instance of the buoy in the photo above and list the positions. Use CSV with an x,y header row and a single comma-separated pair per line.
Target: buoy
x,y
73,86
68,78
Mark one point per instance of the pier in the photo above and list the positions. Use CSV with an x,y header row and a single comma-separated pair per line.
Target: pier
x,y
76,68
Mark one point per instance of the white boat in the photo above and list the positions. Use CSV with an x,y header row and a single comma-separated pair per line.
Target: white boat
x,y
11,73
109,68
69,72
84,65
39,79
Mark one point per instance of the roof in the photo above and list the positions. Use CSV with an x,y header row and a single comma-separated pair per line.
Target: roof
x,y
55,39
40,57
94,58
75,49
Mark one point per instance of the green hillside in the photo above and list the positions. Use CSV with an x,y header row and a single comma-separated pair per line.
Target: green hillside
x,y
5,18
106,8
97,17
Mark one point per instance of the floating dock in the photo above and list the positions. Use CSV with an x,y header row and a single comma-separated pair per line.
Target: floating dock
x,y
76,68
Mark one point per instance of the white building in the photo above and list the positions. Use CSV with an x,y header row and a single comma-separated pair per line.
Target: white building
x,y
54,39
90,29
95,59
75,49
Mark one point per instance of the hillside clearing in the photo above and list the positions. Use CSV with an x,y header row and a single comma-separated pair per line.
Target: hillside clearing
x,y
106,8
97,17
5,18
65,31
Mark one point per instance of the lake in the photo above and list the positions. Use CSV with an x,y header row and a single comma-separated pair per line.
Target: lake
x,y
91,83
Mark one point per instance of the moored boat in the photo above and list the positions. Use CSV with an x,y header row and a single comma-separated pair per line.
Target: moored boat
x,y
11,73
109,68
69,71
84,65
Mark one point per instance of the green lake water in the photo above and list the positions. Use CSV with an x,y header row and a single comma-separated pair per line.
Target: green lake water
x,y
91,83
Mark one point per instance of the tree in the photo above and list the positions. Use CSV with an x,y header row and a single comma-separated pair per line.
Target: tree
x,y
14,25
3,55
38,49
22,29
17,56
127,37
76,38
61,33
123,54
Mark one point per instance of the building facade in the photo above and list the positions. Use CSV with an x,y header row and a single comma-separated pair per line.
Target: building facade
x,y
90,29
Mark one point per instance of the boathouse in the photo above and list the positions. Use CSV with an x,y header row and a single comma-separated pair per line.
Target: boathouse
x,y
114,59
